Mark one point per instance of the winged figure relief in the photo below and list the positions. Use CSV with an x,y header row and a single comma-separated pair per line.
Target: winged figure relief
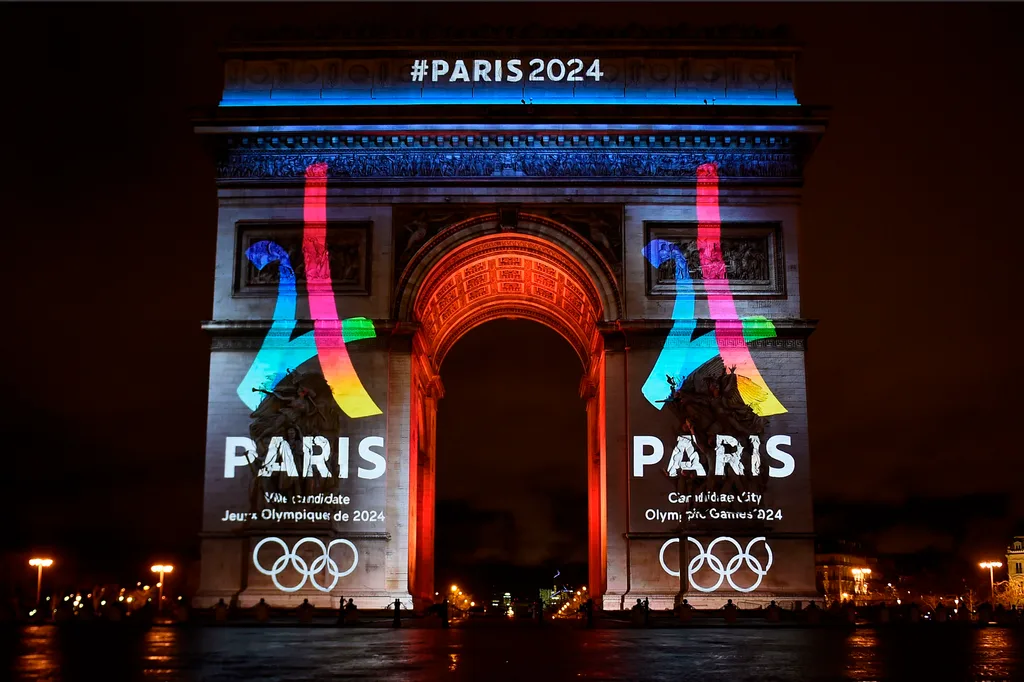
x,y
420,229
300,405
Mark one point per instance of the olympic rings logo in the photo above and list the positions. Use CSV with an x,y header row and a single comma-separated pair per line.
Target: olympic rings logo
x,y
307,571
726,571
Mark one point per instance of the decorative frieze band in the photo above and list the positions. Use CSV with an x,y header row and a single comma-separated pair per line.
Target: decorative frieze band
x,y
438,164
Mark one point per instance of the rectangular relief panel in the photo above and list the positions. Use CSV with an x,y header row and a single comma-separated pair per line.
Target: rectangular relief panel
x,y
752,251
349,247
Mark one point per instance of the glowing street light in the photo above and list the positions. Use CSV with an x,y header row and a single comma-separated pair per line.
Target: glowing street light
x,y
161,569
991,576
455,588
40,564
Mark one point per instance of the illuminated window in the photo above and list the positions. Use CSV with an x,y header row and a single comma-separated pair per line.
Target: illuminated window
x,y
1018,568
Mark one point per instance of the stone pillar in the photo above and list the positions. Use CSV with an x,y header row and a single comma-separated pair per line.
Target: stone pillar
x,y
592,389
616,473
397,566
425,389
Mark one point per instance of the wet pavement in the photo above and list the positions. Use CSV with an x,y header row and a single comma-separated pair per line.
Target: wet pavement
x,y
518,651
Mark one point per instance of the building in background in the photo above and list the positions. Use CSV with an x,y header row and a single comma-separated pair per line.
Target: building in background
x,y
1010,593
846,572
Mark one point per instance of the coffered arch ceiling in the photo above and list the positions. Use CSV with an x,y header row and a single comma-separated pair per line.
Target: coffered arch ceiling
x,y
507,275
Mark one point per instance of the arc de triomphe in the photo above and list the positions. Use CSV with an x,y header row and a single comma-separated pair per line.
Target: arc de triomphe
x,y
647,210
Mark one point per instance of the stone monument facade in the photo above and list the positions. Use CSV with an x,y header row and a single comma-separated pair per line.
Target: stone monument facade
x,y
368,219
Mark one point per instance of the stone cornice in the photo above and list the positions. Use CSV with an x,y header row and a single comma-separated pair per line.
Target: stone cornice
x,y
784,327
248,335
787,326
790,334
224,328
506,137
604,118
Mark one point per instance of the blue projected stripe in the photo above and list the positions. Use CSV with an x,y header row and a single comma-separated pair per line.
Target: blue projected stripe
x,y
366,101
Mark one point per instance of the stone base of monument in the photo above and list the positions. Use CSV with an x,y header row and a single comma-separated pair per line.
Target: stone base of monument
x,y
787,601
209,599
321,600
281,600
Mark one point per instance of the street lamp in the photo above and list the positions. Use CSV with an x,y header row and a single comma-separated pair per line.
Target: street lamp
x,y
860,577
991,577
161,569
40,564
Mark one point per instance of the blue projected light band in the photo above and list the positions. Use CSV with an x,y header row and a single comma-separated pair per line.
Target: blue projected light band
x,y
315,99
680,355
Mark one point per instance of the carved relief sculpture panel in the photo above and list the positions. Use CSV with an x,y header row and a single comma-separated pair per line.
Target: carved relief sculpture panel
x,y
599,224
415,225
349,254
752,253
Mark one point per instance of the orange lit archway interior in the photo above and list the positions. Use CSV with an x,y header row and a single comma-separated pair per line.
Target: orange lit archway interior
x,y
505,275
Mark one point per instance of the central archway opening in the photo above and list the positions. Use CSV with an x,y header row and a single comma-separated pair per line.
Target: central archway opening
x,y
511,462
537,275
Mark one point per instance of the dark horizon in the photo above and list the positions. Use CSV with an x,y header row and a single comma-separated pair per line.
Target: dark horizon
x,y
907,259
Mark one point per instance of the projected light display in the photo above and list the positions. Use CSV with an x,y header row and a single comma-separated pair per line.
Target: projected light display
x,y
705,465
306,571
307,476
304,463
280,352
682,355
723,309
724,571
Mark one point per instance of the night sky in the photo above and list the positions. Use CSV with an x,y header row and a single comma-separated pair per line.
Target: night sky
x,y
910,251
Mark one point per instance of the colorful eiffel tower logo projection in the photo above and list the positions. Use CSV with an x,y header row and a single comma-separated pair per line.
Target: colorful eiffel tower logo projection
x,y
329,337
681,354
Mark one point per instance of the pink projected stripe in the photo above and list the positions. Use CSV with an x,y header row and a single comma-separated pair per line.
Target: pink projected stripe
x,y
335,362
728,327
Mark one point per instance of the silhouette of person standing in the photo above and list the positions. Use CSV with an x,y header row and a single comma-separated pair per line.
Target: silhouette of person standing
x,y
397,619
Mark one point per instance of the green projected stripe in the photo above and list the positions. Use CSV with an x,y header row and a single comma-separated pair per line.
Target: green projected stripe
x,y
359,328
757,327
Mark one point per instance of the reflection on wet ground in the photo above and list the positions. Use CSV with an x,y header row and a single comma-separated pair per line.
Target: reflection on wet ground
x,y
515,652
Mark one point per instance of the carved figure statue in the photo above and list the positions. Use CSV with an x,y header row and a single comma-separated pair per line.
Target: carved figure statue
x,y
294,405
301,405
420,228
597,228
709,403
